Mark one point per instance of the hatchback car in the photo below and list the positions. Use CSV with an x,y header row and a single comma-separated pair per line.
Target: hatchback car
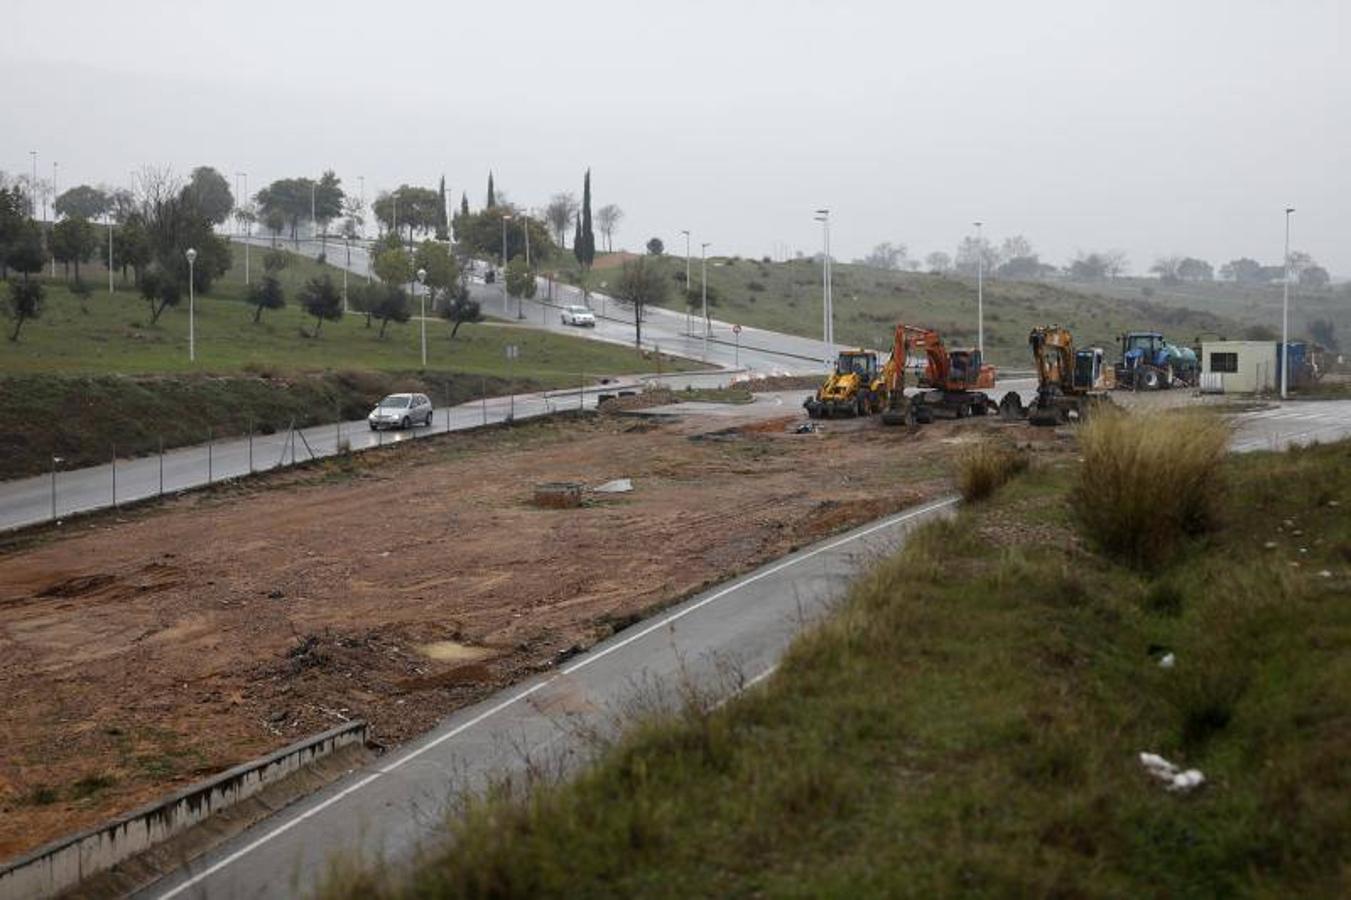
x,y
401,411
580,316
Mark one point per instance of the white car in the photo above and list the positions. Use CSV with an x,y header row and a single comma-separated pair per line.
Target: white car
x,y
580,316
401,411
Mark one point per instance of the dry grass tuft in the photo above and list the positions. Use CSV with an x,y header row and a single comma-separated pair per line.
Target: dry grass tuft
x,y
982,469
1148,483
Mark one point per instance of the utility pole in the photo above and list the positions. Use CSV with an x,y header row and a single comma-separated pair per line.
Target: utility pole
x,y
980,291
703,262
1284,355
33,188
686,232
827,300
53,211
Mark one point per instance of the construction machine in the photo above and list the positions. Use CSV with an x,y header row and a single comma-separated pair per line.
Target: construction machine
x,y
1149,362
950,381
1070,382
856,387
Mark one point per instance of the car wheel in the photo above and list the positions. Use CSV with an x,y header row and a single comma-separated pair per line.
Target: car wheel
x,y
405,423
428,423
373,428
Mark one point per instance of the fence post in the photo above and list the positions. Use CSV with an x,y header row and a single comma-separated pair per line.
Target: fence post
x,y
581,391
114,476
337,441
250,445
161,466
209,453
54,488
447,409
483,397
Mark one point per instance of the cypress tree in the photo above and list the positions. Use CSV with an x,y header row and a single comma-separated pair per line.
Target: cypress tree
x,y
464,203
588,237
442,226
577,249
492,197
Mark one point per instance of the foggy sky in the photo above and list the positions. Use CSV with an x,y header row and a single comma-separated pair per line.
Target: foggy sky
x,y
1153,127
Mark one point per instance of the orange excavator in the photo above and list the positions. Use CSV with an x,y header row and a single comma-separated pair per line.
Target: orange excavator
x,y
951,381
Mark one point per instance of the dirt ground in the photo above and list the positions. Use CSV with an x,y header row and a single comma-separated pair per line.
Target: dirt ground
x,y
139,655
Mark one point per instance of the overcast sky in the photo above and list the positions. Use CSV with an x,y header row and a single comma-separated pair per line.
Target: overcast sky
x,y
1154,127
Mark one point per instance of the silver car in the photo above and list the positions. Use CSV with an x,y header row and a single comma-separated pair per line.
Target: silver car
x,y
580,316
401,411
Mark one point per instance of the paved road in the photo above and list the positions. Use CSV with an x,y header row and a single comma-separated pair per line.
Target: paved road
x,y
1293,423
719,641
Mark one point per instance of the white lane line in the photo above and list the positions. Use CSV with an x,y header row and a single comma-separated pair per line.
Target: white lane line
x,y
566,670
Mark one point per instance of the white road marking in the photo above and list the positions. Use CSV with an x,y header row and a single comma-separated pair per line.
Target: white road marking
x,y
565,670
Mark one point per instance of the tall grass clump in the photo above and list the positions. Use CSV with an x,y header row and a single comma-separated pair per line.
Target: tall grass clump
x,y
1147,484
983,468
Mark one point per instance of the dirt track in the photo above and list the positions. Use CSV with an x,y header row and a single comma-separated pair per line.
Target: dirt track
x,y
139,656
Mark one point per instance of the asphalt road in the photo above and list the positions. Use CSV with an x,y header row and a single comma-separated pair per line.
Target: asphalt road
x,y
719,642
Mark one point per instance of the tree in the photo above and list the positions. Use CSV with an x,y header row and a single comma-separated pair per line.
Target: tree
x,y
439,264
607,217
161,291
1242,270
1024,267
939,263
13,218
577,244
886,255
1166,267
83,202
560,212
464,203
321,298
588,252
413,208
1260,333
1193,269
458,308
1016,247
1115,263
266,293
520,279
73,241
481,233
173,224
1314,276
327,205
655,247
442,226
389,304
394,266
286,201
1089,267
274,221
276,261
25,252
131,248
970,253
641,283
492,194
1324,332
211,194
25,302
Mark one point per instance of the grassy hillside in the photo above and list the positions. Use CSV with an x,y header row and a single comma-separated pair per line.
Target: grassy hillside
x,y
868,303
970,724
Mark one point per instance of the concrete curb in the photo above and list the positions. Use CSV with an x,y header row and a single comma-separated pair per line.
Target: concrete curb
x,y
65,862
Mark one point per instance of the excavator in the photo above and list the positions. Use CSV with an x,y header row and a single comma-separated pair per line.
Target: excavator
x,y
955,380
1070,383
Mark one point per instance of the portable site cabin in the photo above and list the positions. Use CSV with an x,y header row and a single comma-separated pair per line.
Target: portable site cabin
x,y
1239,367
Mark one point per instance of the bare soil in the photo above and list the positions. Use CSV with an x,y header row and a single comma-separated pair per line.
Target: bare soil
x,y
397,586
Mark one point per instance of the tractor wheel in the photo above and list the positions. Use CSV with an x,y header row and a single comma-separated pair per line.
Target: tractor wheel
x,y
861,406
923,415
961,410
1149,379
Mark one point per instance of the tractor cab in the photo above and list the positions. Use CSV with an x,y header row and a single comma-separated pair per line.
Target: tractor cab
x,y
862,363
1140,346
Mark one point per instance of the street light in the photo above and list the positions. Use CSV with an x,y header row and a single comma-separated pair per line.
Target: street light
x,y
1284,355
33,188
686,232
703,278
525,229
980,290
422,280
192,310
248,228
503,274
53,211
827,299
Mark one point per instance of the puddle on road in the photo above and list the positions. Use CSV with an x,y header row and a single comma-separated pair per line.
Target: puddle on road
x,y
450,651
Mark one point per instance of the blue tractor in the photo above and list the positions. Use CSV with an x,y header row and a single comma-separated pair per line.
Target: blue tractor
x,y
1150,363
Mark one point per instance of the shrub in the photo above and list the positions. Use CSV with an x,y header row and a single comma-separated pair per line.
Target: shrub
x,y
984,467
1147,484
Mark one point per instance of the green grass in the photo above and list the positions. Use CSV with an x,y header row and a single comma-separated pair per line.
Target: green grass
x,y
868,303
969,724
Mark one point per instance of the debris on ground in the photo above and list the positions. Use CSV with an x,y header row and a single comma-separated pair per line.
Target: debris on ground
x,y
1176,779
1167,661
618,486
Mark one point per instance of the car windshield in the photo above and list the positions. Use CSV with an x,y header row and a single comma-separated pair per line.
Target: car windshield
x,y
395,400
580,309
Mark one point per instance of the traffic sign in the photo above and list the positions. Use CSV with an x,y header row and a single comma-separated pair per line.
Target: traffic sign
x,y
513,351
736,329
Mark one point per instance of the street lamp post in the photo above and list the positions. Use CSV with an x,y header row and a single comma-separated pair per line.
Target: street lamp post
x,y
347,243
110,251
248,228
192,308
53,211
33,188
1284,355
686,232
980,290
525,229
314,222
422,280
827,299
502,275
703,279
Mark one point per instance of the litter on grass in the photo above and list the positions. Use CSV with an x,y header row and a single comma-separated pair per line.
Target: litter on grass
x,y
618,486
1167,661
1176,780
